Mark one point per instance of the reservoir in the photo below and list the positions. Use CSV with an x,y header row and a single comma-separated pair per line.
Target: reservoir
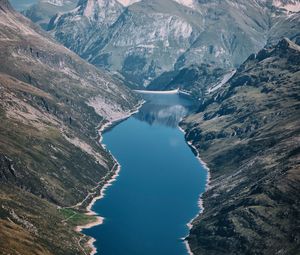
x,y
156,194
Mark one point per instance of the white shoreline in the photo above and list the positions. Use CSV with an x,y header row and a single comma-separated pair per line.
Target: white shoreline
x,y
99,220
164,92
200,201
169,92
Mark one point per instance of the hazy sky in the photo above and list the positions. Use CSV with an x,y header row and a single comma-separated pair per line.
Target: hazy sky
x,y
20,5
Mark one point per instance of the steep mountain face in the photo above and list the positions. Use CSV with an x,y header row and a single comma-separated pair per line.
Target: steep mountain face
x,y
128,44
149,39
194,79
51,103
85,27
44,10
248,133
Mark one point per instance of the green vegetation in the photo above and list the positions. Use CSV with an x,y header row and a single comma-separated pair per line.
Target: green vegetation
x,y
76,218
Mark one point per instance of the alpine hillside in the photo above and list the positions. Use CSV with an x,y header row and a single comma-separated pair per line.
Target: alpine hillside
x,y
51,165
248,134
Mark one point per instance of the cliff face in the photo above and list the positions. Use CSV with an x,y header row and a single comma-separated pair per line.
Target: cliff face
x,y
248,133
51,102
150,39
195,79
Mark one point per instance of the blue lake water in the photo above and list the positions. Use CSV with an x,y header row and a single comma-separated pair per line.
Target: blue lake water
x,y
156,194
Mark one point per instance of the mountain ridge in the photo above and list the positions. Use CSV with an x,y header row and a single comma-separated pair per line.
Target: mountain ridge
x,y
166,36
248,134
51,165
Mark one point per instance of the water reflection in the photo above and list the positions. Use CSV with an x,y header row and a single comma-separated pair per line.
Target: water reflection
x,y
158,187
165,110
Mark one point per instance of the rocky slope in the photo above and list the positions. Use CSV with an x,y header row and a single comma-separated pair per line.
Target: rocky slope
x,y
44,10
248,133
51,103
149,39
195,79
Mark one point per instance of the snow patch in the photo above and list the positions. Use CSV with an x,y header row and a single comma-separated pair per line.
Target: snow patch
x,y
89,9
225,79
188,3
291,5
55,2
128,2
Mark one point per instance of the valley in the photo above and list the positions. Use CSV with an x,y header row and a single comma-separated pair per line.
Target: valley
x,y
94,99
156,191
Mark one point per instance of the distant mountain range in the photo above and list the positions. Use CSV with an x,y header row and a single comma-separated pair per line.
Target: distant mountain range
x,y
143,41
44,10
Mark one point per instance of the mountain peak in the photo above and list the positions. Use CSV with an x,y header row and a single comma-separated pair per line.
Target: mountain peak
x,y
188,3
104,11
282,48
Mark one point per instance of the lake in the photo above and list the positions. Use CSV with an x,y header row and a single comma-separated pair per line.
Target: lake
x,y
147,208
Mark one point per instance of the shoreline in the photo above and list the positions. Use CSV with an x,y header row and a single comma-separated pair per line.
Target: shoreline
x,y
168,92
200,200
99,220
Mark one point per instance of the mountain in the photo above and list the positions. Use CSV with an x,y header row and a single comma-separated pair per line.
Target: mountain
x,y
51,165
248,133
44,10
194,79
146,40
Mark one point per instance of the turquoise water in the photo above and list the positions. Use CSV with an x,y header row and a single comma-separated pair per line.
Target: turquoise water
x,y
156,194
